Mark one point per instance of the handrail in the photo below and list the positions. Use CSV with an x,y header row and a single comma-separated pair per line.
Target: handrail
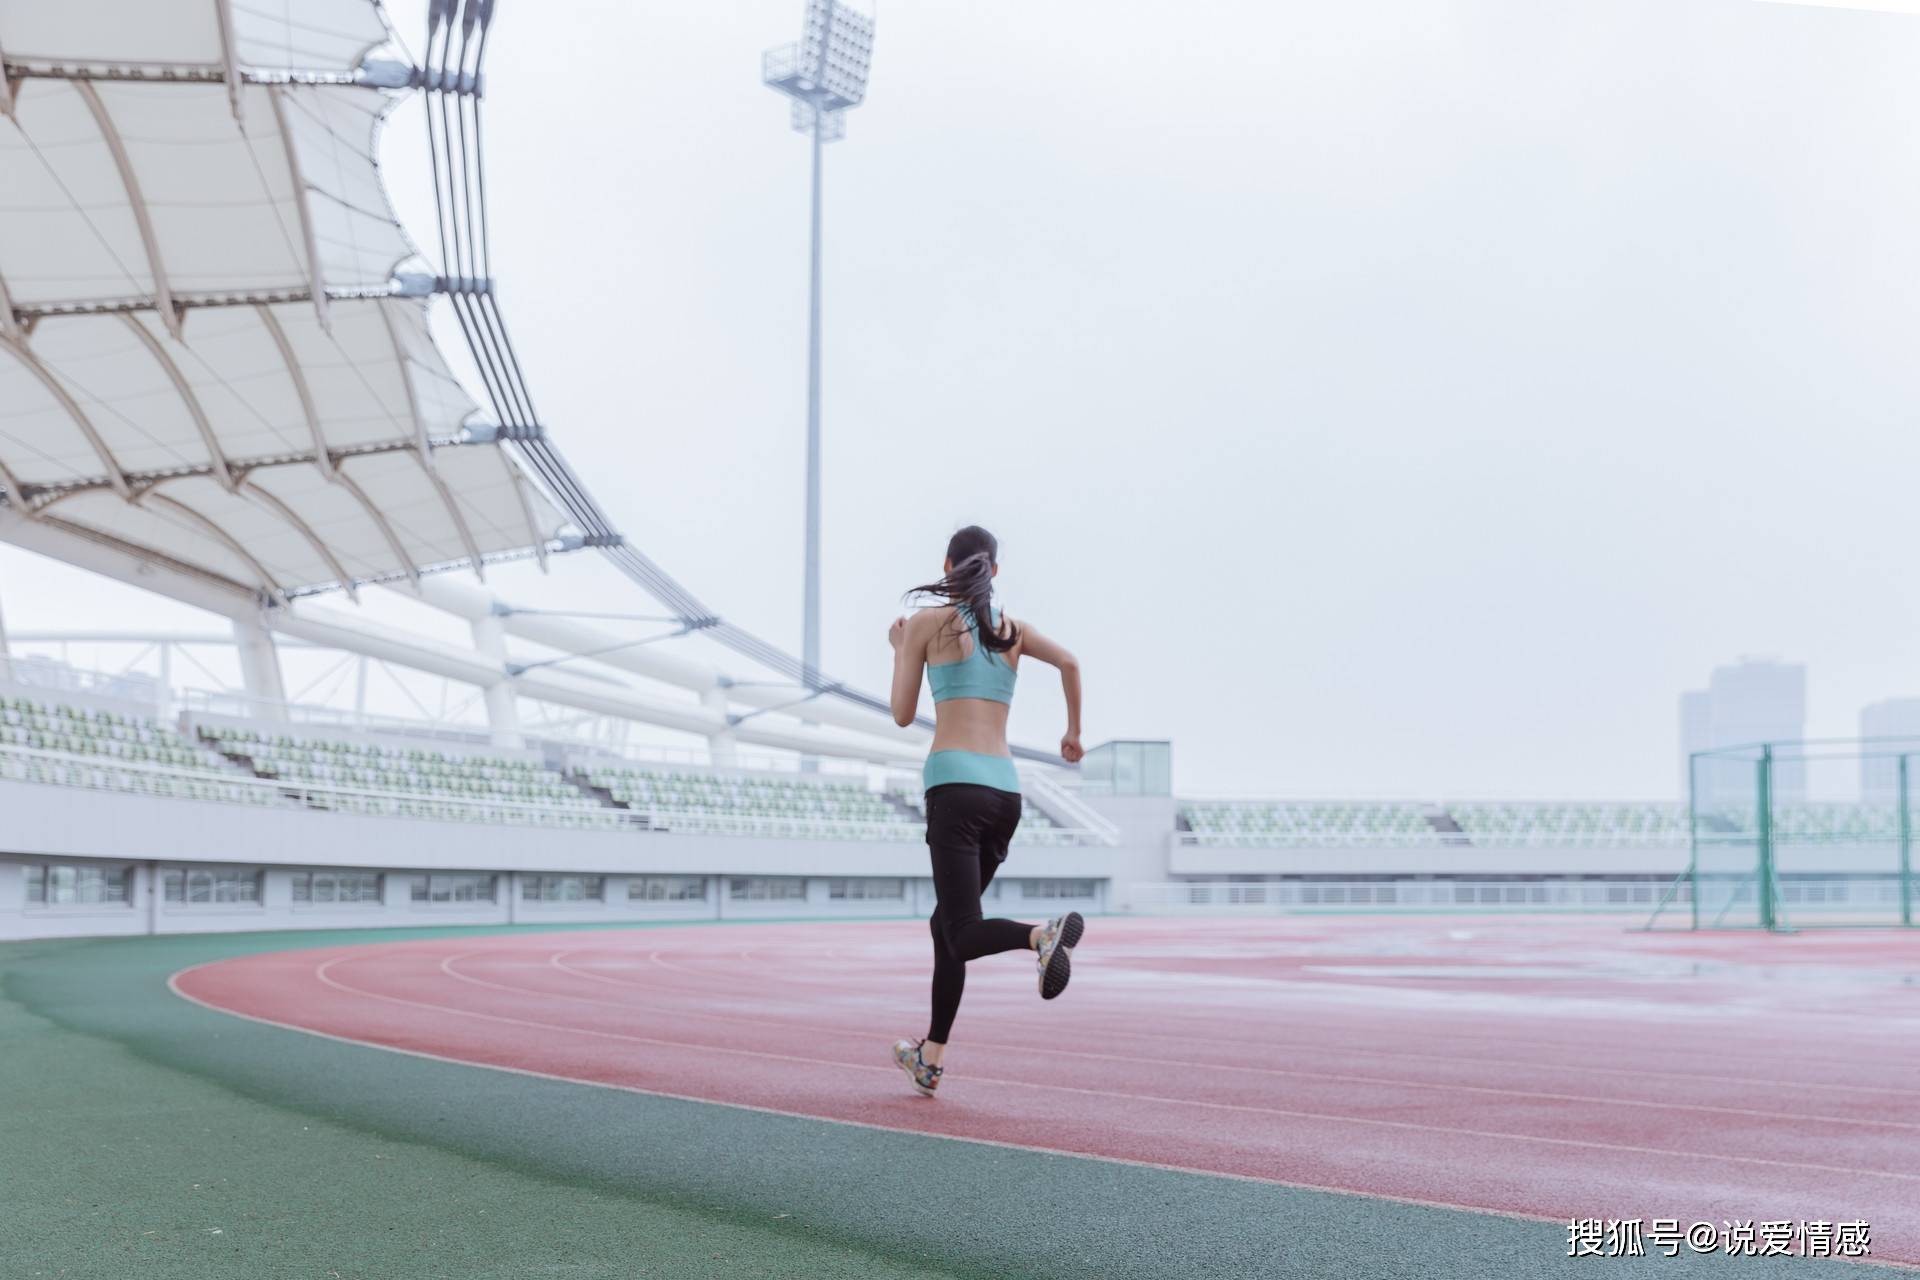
x,y
305,719
1422,839
592,756
261,713
1436,806
27,672
281,788
1474,896
1053,796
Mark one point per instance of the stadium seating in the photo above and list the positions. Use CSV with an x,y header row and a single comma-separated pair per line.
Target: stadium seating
x,y
412,782
1584,825
83,747
694,800
110,751
60,744
1256,824
799,807
1560,825
1035,828
1815,823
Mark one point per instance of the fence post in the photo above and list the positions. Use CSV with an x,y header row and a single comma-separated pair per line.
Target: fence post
x,y
1693,835
1906,848
1766,836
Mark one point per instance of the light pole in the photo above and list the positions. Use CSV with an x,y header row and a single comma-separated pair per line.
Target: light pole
x,y
824,74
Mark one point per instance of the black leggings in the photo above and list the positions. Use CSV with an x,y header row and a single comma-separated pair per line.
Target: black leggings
x,y
968,828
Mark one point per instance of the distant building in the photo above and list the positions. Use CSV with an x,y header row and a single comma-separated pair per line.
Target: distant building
x,y
1696,727
1880,774
1756,700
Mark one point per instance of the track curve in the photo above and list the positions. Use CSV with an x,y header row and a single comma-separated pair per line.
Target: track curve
x,y
1559,1069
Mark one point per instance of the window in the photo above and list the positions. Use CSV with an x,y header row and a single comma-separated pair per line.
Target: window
x,y
767,889
197,885
1129,768
867,890
454,888
1056,888
336,886
68,884
563,888
666,889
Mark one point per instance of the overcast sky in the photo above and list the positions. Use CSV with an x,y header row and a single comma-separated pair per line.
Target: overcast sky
x,y
1401,398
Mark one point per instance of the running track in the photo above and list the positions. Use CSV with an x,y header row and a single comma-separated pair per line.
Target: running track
x,y
1554,1068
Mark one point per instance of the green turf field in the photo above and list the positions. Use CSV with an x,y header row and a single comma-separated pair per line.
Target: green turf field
x,y
144,1136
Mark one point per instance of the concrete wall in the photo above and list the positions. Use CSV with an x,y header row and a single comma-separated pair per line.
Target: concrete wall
x,y
40,822
1790,858
149,912
54,824
75,822
1145,824
1422,860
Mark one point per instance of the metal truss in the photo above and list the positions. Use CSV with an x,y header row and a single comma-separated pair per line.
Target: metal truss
x,y
454,88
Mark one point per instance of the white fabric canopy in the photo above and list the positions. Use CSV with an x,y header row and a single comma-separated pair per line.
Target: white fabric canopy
x,y
203,351
115,193
184,36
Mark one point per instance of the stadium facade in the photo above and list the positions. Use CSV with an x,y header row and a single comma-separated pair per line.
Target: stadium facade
x,y
121,821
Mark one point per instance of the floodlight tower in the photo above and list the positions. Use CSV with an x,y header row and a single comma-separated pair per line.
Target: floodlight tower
x,y
824,74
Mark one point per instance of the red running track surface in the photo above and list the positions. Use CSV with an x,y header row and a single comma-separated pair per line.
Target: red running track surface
x,y
1558,1068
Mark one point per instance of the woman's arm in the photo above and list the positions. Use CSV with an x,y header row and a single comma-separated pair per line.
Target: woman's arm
x,y
1035,645
909,641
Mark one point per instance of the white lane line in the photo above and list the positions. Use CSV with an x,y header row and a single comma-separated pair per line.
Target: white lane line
x,y
557,961
1267,1046
320,973
173,984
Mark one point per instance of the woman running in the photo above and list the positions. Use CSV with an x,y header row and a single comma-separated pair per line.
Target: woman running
x,y
973,792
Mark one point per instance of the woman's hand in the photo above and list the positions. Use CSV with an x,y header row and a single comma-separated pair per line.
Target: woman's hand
x,y
897,633
1070,748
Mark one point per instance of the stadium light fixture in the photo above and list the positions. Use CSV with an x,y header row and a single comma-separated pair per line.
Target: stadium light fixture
x,y
824,74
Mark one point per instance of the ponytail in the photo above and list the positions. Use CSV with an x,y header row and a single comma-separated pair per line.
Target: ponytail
x,y
973,553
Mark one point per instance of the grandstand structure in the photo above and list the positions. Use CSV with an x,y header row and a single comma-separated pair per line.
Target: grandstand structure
x,y
121,820
125,819
221,385
218,382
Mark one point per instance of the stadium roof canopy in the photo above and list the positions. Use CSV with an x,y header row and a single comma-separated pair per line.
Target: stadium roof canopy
x,y
216,374
206,355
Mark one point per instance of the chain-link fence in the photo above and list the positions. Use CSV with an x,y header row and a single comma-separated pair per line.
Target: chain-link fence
x,y
1800,834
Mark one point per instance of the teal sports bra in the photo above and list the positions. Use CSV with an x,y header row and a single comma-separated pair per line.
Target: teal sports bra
x,y
981,674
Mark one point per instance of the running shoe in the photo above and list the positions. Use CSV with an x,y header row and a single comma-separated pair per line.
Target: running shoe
x,y
1057,942
925,1076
